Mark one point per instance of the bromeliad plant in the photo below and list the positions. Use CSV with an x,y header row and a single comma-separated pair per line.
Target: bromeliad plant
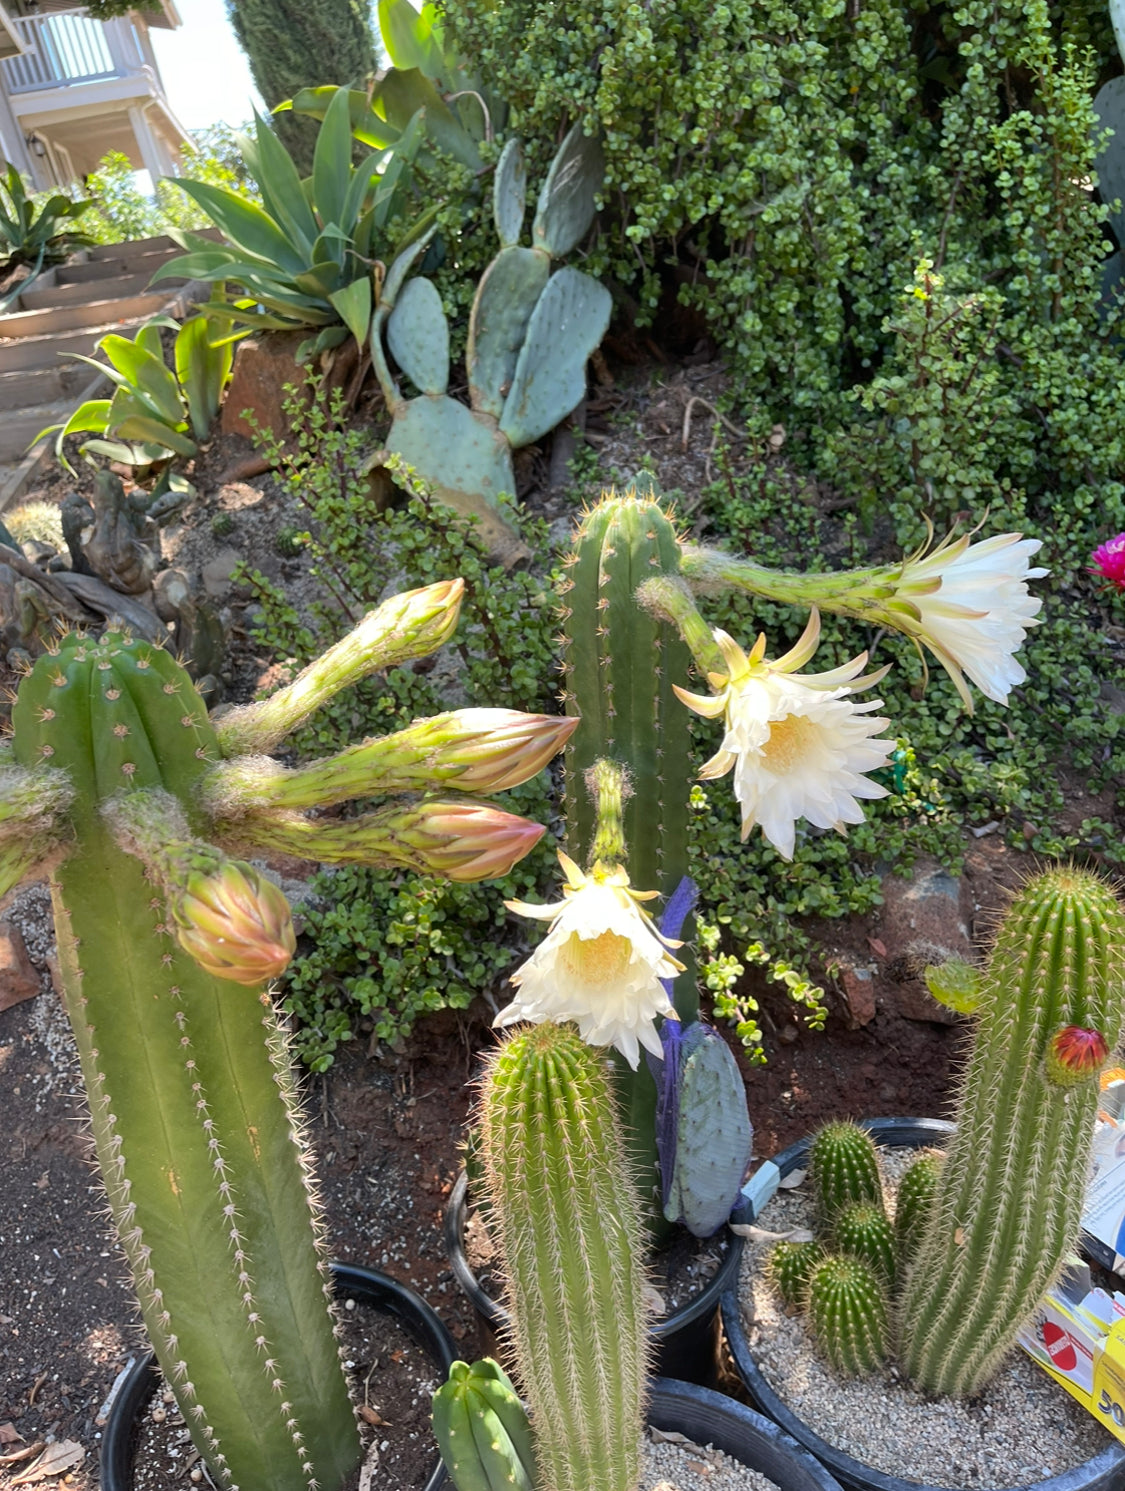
x,y
155,415
119,785
982,1232
308,257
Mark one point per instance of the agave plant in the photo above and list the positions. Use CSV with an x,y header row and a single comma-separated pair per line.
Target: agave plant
x,y
458,109
35,233
306,256
148,419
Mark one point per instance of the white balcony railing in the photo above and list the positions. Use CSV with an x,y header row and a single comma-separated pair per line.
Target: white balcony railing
x,y
69,48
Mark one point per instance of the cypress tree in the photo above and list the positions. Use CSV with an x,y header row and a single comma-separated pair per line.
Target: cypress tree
x,y
293,44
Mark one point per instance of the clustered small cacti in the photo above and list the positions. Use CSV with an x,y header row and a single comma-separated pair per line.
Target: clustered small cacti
x,y
981,1231
120,785
530,334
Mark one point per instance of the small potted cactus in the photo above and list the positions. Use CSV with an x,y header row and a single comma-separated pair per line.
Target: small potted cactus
x,y
983,1224
120,787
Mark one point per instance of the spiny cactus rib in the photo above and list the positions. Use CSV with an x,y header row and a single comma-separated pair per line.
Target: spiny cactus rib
x,y
849,1315
912,1205
568,1223
203,1172
790,1267
844,1169
1009,1197
864,1231
482,1430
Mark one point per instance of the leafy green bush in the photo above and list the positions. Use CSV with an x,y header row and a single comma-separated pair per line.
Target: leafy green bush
x,y
388,945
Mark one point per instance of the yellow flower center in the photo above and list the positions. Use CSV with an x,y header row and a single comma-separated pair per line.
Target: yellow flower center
x,y
596,960
791,741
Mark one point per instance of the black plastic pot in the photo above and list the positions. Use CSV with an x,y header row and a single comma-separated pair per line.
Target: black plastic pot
x,y
361,1284
688,1342
1105,1472
706,1418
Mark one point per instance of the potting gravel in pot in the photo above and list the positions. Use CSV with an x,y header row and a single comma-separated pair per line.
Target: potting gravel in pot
x,y
880,1325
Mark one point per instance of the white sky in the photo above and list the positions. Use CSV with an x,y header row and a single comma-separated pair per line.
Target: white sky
x,y
205,74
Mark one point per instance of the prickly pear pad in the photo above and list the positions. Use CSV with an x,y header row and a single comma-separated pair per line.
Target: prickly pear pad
x,y
191,1100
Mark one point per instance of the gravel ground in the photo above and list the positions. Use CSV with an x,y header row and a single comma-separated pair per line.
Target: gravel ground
x,y
668,1465
1022,1429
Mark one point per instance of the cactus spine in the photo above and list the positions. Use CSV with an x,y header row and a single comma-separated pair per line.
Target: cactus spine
x,y
1008,1200
844,1168
568,1223
849,1314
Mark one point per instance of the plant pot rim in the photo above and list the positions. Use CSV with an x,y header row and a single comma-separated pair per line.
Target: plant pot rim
x,y
701,1304
1104,1472
731,1427
117,1448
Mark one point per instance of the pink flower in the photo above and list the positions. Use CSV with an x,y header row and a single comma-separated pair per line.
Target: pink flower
x,y
1109,562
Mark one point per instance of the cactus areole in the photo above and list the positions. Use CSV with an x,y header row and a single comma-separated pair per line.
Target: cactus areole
x,y
192,1105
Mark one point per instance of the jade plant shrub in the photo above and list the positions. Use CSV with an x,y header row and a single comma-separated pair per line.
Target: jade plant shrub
x,y
382,948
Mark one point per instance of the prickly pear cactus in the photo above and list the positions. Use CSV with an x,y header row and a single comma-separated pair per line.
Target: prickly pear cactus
x,y
844,1168
567,1219
206,1179
482,1430
530,334
1009,1196
848,1311
713,1136
863,1230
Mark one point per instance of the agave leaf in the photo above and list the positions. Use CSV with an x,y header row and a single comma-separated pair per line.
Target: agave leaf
x,y
354,305
147,376
411,38
203,370
280,185
404,91
331,336
148,338
205,264
128,455
142,426
332,161
368,127
246,225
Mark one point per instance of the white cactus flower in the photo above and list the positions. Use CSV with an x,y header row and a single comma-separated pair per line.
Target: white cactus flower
x,y
600,965
969,603
799,745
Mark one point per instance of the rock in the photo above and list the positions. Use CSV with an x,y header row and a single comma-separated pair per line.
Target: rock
x,y
859,996
925,919
18,977
217,573
1113,697
263,365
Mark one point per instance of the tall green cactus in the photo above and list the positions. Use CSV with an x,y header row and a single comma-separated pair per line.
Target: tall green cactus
x,y
1009,1194
115,782
568,1222
621,663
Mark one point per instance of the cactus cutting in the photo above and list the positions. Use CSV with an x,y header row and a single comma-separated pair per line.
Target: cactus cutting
x,y
120,785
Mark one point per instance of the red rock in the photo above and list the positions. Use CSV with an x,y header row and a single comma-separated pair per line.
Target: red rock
x,y
18,977
859,995
263,365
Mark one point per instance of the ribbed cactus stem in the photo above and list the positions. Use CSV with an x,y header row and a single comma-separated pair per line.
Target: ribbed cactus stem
x,y
1009,1197
848,1310
567,1218
844,1169
913,1200
790,1267
864,1231
671,600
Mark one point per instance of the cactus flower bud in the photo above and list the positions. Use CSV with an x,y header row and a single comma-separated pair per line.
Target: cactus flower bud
x,y
235,924
1074,1055
465,841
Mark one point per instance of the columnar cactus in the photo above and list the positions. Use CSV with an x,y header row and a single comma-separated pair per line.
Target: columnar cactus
x,y
1009,1196
530,334
568,1222
912,1205
116,783
844,1168
482,1430
847,1306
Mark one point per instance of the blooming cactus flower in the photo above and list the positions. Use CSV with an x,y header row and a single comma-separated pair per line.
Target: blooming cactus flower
x,y
601,963
1109,562
235,924
799,745
970,605
1075,1054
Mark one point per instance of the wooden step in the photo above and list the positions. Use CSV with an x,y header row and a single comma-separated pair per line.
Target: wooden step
x,y
109,269
119,288
47,385
19,427
23,353
61,319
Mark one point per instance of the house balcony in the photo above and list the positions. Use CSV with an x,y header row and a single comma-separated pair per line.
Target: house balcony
x,y
81,88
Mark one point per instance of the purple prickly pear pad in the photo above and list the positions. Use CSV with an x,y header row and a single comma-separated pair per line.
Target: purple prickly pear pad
x,y
666,1073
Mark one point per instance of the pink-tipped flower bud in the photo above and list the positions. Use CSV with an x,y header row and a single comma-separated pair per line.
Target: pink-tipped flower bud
x,y
500,748
466,841
1109,562
1075,1055
235,924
